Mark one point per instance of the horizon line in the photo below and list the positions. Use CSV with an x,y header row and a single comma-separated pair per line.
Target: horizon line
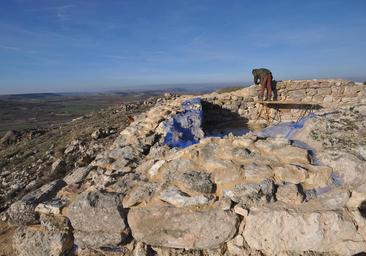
x,y
167,86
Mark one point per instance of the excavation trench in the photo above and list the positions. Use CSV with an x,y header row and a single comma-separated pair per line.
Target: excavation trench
x,y
218,121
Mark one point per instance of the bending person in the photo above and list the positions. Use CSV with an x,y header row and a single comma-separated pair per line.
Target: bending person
x,y
264,77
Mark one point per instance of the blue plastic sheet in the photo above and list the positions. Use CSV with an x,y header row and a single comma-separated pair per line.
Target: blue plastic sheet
x,y
184,129
286,129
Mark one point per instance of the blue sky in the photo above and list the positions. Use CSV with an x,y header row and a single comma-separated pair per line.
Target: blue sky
x,y
55,45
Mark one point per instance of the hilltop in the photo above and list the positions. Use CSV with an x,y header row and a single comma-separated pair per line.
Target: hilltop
x,y
202,175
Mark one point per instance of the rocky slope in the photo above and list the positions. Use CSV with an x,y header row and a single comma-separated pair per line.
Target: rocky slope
x,y
302,194
34,157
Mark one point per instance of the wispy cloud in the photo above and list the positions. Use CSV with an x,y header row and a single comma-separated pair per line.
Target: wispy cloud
x,y
7,47
61,12
26,38
51,8
117,57
142,56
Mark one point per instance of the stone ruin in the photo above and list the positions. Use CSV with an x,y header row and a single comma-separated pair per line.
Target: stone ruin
x,y
241,105
225,195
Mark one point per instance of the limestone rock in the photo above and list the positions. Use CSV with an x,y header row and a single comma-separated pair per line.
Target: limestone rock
x,y
175,168
58,167
98,219
224,203
53,206
278,230
290,154
23,211
240,210
102,133
358,196
177,198
257,172
197,181
47,240
237,247
153,171
77,175
334,199
209,151
289,194
140,250
348,166
290,173
141,192
252,194
182,228
128,152
318,177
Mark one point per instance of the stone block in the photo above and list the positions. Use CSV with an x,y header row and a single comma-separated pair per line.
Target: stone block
x,y
279,230
182,228
98,219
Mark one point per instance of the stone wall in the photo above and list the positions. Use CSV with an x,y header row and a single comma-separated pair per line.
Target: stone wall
x,y
327,93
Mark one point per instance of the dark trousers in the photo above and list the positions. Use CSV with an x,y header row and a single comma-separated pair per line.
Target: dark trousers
x,y
266,82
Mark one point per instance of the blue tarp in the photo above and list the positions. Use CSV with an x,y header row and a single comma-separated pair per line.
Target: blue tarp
x,y
184,129
287,130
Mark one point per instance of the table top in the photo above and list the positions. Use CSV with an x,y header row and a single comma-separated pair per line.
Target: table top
x,y
287,103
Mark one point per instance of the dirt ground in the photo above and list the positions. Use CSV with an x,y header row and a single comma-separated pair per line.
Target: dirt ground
x,y
6,236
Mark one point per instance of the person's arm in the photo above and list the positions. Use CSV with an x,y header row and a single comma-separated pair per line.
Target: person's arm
x,y
256,77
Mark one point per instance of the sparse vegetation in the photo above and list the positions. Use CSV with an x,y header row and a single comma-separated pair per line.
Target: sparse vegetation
x,y
18,112
229,89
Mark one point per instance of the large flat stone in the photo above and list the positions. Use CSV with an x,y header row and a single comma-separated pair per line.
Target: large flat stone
x,y
290,154
279,230
52,238
350,167
317,176
182,227
98,219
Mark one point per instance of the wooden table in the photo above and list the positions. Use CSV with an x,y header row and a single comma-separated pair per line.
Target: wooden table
x,y
265,106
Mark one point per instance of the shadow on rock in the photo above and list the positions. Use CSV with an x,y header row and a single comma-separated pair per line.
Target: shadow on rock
x,y
221,121
362,209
